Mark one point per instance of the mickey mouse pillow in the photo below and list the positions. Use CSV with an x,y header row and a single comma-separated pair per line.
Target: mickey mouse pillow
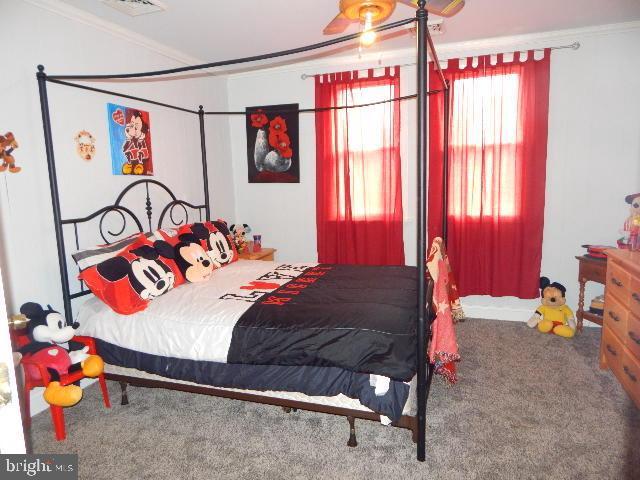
x,y
133,278
216,239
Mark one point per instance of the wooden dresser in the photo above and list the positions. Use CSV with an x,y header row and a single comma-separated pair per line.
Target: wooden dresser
x,y
620,344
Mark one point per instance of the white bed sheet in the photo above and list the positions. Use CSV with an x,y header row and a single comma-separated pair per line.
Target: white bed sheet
x,y
190,322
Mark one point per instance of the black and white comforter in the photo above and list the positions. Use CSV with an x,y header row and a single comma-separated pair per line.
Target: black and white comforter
x,y
358,318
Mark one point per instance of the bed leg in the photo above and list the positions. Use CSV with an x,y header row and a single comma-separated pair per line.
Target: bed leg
x,y
352,432
124,399
414,430
286,409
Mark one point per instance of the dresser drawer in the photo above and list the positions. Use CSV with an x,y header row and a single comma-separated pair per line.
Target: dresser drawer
x,y
613,351
630,376
618,283
632,339
615,315
635,296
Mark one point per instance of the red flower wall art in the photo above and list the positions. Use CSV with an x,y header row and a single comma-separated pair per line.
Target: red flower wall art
x,y
272,144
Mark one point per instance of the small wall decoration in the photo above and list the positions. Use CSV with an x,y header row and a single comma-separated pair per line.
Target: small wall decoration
x,y
130,137
272,144
85,145
8,144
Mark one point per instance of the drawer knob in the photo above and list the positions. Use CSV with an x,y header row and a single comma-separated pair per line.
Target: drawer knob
x,y
629,374
611,350
634,337
615,317
636,297
616,282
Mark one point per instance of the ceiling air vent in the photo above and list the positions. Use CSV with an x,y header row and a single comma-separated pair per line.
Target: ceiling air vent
x,y
134,8
435,26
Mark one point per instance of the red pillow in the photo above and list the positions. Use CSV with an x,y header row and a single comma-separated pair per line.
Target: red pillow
x,y
134,277
216,239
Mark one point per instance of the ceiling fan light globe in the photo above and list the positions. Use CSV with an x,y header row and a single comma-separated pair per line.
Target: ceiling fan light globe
x,y
368,38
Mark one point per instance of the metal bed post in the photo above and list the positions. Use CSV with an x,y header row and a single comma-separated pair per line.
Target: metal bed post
x,y
421,147
205,175
55,196
445,167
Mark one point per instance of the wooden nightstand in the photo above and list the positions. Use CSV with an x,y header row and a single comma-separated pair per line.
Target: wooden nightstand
x,y
265,254
589,270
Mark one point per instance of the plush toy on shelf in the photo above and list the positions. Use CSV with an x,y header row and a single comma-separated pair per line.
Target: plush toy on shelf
x,y
52,347
553,315
240,232
631,239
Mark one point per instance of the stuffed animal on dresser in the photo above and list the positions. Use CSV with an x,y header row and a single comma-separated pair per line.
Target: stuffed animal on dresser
x,y
631,237
553,315
52,347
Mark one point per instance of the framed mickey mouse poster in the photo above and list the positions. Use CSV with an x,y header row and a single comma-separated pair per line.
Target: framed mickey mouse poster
x,y
130,139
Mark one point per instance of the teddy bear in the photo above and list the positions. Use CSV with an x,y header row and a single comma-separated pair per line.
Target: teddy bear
x,y
52,347
8,144
553,315
631,239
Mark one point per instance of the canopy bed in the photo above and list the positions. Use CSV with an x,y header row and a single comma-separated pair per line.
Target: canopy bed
x,y
410,387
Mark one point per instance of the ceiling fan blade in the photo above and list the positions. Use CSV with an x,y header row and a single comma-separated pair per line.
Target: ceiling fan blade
x,y
442,8
337,25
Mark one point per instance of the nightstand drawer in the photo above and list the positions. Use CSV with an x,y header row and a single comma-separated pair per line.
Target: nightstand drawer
x,y
618,283
615,315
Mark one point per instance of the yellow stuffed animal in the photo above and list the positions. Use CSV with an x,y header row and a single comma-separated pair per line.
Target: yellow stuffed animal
x,y
553,315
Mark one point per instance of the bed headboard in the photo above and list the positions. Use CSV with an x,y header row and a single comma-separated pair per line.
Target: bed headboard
x,y
119,220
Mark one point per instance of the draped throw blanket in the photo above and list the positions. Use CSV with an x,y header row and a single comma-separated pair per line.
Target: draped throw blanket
x,y
443,350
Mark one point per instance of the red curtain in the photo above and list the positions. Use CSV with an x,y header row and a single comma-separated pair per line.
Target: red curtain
x,y
358,180
497,168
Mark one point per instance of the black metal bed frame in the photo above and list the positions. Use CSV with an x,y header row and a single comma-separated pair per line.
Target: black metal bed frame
x,y
425,283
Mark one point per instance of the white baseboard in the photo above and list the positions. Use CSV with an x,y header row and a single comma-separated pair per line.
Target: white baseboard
x,y
503,313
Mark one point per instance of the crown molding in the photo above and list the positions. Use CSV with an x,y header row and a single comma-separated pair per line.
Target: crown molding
x,y
455,49
81,16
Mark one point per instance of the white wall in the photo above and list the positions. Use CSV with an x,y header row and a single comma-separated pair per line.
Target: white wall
x,y
593,153
33,35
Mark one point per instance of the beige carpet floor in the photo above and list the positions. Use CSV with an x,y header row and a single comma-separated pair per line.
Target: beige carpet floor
x,y
527,406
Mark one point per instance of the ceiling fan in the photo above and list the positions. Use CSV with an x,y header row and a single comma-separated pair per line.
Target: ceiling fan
x,y
373,12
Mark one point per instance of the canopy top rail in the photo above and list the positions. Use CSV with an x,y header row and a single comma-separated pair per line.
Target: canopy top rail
x,y
254,58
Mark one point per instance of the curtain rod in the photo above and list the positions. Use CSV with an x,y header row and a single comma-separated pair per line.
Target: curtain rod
x,y
572,46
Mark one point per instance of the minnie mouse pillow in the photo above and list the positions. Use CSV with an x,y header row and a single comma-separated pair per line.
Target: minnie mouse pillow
x,y
130,280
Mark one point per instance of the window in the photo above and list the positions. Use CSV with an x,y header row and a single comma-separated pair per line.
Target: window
x,y
362,141
484,137
358,174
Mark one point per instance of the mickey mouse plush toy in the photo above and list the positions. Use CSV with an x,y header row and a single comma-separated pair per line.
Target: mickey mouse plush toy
x,y
52,347
553,316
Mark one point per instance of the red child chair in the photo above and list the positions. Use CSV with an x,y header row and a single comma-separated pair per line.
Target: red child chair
x,y
36,375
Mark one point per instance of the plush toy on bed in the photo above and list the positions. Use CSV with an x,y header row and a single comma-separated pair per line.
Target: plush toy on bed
x,y
52,347
240,232
553,316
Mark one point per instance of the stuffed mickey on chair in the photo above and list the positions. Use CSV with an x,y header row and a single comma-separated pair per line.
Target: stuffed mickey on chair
x,y
52,347
553,316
